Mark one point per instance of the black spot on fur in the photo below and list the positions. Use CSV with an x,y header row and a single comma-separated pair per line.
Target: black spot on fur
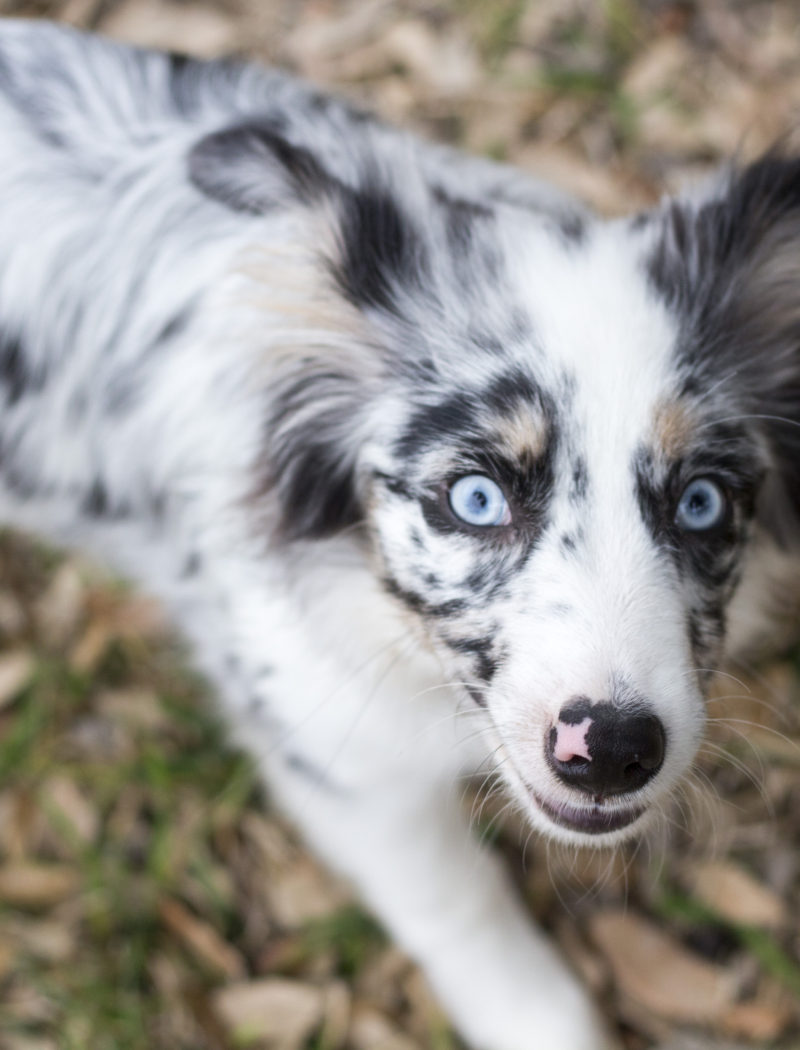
x,y
310,771
190,80
580,480
172,328
308,461
460,218
568,544
465,415
651,499
421,604
192,565
476,694
15,376
95,503
480,578
382,250
416,540
445,420
572,227
482,650
395,485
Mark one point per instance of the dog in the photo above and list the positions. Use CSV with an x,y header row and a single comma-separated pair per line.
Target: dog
x,y
398,434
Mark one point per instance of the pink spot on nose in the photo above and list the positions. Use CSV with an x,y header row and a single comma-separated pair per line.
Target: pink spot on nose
x,y
571,741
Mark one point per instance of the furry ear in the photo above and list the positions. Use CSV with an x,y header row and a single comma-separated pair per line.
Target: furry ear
x,y
358,254
326,376
251,168
731,269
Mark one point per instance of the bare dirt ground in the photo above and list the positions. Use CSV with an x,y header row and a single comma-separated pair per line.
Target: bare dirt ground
x,y
149,898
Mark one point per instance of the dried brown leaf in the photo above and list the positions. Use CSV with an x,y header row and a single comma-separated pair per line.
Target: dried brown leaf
x,y
16,669
7,957
371,1030
12,615
283,1013
300,892
337,1008
60,609
202,940
658,973
759,1021
31,885
51,940
196,29
732,892
62,799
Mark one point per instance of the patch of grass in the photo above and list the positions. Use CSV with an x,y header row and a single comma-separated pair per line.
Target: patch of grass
x,y
351,934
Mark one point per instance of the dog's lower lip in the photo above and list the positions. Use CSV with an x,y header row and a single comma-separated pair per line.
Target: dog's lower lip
x,y
594,820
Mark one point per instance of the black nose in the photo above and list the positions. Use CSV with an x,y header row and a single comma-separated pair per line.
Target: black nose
x,y
605,750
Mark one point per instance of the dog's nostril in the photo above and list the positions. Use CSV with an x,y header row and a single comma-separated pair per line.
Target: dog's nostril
x,y
604,750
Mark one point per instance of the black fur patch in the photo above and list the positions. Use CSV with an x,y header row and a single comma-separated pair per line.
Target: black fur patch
x,y
580,480
482,650
460,219
308,467
728,271
710,556
463,416
382,250
15,377
420,603
232,166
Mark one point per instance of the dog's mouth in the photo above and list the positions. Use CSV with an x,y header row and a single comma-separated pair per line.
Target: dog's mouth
x,y
596,819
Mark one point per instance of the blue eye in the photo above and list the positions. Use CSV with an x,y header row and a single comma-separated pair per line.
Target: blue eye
x,y
702,506
478,500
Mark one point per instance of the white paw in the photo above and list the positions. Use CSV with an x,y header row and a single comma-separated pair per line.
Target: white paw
x,y
510,1007
536,1025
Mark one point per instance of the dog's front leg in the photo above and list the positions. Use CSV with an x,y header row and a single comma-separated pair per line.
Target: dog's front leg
x,y
450,905
353,728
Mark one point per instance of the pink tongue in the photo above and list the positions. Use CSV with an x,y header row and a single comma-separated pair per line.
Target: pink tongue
x,y
571,741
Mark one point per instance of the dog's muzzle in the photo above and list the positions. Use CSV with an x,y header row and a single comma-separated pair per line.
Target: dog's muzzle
x,y
607,753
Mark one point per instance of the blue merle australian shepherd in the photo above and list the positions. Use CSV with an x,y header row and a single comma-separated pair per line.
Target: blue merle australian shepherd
x,y
397,433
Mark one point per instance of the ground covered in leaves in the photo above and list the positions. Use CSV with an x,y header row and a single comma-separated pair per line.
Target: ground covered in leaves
x,y
149,898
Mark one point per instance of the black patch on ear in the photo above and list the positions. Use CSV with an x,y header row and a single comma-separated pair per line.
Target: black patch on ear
x,y
727,269
381,249
238,165
252,168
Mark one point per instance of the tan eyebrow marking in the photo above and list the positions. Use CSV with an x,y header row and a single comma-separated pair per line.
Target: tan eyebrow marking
x,y
673,427
521,434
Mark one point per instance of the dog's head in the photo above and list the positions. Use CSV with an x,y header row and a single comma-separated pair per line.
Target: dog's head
x,y
563,440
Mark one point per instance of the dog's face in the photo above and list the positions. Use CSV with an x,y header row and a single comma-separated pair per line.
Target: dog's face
x,y
567,514
563,439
